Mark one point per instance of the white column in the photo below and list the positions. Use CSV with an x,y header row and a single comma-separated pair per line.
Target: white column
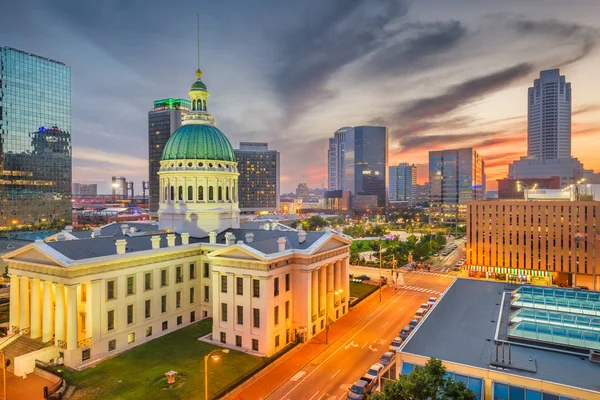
x,y
72,331
346,280
47,312
330,298
59,317
322,288
36,312
94,302
24,306
14,302
338,275
314,293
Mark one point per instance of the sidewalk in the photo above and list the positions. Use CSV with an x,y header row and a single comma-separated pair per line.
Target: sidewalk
x,y
280,371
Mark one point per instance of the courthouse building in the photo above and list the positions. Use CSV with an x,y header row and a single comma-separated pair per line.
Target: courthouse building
x,y
83,296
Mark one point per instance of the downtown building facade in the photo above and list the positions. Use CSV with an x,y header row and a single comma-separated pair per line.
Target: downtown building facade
x,y
96,293
259,177
35,140
84,189
335,159
403,183
456,177
163,120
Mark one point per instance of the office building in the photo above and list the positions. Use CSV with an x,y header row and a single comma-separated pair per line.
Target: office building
x,y
455,177
548,240
259,177
403,182
569,170
84,189
422,193
335,159
515,188
35,140
163,119
365,162
506,342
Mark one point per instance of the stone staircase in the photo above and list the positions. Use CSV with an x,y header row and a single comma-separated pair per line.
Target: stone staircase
x,y
22,345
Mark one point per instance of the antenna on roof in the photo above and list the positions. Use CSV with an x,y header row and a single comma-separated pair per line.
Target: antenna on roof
x,y
198,41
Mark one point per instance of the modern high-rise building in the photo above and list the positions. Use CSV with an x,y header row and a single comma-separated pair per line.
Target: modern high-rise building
x,y
456,177
422,193
84,189
335,159
35,140
164,119
259,177
403,183
549,117
365,162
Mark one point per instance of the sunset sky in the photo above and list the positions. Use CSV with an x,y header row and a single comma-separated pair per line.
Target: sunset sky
x,y
438,73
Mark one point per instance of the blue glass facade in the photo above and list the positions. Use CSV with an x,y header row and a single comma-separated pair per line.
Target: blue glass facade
x,y
35,140
473,383
505,391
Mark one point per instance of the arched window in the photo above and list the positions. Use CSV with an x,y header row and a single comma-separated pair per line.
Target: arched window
x,y
233,192
220,191
190,193
211,195
200,193
172,193
227,193
180,193
193,104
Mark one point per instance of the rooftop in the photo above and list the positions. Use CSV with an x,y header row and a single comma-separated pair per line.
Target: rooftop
x,y
467,318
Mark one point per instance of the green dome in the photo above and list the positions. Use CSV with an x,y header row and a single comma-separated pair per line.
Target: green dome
x,y
198,142
199,85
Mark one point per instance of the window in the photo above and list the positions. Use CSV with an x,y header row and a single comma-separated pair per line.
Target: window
x,y
112,344
178,274
255,344
192,271
172,193
287,310
206,269
149,331
147,309
130,285
224,312
130,314
238,341
287,282
165,325
110,320
82,316
163,303
190,193
164,277
200,193
256,319
192,295
276,287
277,341
85,355
227,193
220,193
239,286
223,284
193,316
148,281
287,336
130,338
223,337
179,320
110,290
206,294
83,293
180,193
255,288
240,315
276,313
211,193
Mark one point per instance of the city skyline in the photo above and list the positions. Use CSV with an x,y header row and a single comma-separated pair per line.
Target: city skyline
x,y
471,65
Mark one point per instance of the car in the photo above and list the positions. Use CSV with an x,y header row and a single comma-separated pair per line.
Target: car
x,y
419,314
364,277
387,358
359,390
405,332
456,268
413,323
374,371
425,306
432,301
395,345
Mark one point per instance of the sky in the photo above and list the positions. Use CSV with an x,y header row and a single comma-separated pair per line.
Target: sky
x,y
438,73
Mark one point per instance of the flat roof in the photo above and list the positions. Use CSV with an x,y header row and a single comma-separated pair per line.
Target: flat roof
x,y
462,326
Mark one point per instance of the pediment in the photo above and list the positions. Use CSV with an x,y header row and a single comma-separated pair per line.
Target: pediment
x,y
334,242
31,255
237,252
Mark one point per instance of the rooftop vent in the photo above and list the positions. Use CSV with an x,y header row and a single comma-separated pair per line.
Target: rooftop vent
x,y
281,243
121,246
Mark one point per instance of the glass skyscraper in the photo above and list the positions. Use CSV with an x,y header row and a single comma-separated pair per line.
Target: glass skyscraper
x,y
259,177
403,182
35,140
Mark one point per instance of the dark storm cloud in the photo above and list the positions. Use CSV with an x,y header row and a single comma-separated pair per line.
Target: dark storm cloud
x,y
417,141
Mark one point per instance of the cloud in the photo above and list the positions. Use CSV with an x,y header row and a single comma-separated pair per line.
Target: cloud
x,y
432,141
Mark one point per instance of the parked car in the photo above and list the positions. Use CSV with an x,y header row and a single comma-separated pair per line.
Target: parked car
x,y
419,314
374,371
413,323
364,277
395,345
405,332
456,268
432,301
359,390
425,306
387,358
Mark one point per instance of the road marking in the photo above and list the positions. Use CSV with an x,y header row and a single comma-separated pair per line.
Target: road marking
x,y
299,375
338,371
373,348
338,349
363,346
313,396
351,345
384,325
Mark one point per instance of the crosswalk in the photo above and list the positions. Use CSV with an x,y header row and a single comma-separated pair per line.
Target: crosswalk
x,y
420,289
433,273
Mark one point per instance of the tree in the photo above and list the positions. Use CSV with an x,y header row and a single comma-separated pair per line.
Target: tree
x,y
425,383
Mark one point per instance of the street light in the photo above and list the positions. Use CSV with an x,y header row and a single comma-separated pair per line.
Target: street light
x,y
327,312
215,358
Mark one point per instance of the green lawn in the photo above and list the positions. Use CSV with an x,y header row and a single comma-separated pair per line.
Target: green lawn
x,y
139,372
361,290
361,245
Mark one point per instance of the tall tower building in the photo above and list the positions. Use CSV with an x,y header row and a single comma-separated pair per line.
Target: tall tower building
x,y
35,140
403,183
335,159
549,117
164,119
456,177
365,162
259,177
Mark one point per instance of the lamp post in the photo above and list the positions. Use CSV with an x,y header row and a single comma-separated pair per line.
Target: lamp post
x,y
206,357
327,313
